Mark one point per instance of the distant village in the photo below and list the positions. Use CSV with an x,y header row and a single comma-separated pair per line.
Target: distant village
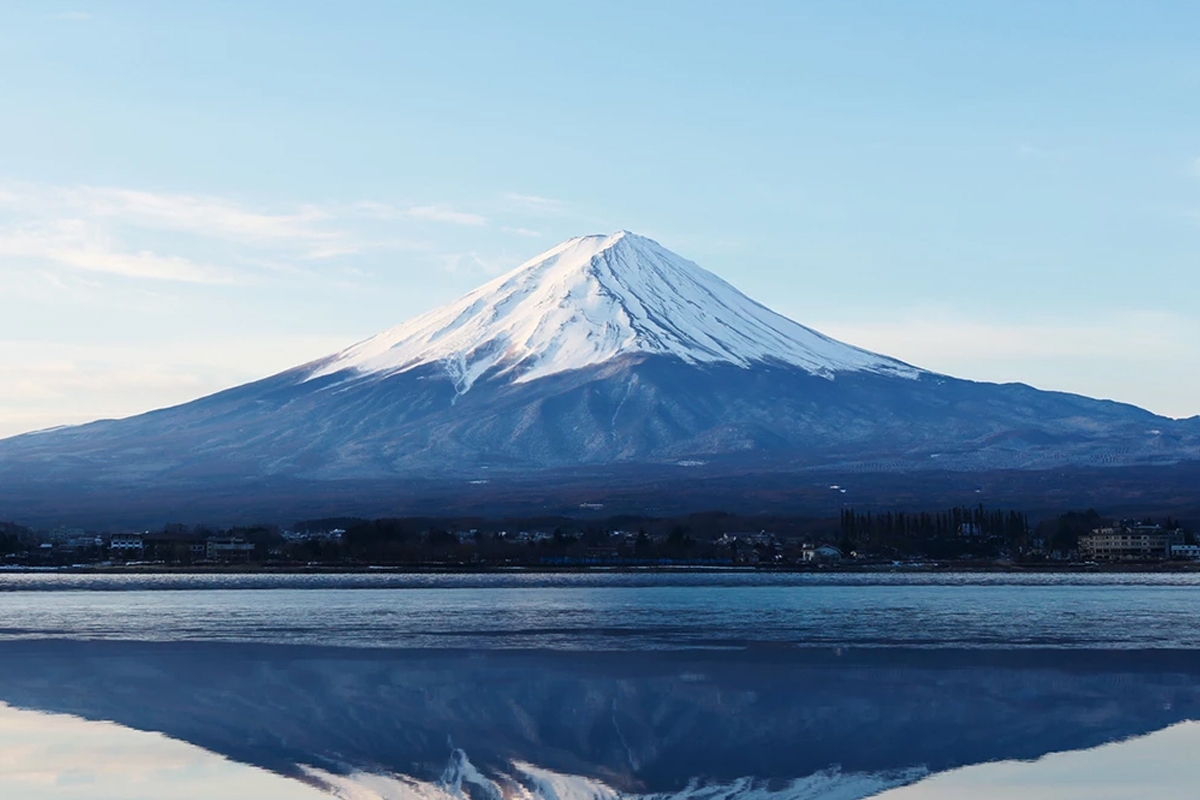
x,y
969,537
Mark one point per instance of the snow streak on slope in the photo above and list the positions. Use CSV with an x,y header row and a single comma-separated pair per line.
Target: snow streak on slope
x,y
589,300
463,781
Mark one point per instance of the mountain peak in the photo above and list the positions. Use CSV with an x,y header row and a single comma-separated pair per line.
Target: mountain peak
x,y
591,299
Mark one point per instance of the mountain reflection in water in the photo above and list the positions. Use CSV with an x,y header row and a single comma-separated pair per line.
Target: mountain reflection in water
x,y
67,758
762,723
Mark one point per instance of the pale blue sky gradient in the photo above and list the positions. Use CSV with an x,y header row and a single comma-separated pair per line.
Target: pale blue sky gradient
x,y
194,195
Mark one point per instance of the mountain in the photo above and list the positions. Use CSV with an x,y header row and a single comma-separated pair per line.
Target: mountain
x,y
589,301
606,353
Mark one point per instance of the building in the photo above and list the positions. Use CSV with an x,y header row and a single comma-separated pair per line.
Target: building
x,y
62,534
750,538
1126,543
1190,551
820,554
228,548
126,545
77,544
173,547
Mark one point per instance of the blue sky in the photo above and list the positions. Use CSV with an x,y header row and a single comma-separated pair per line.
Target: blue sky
x,y
195,195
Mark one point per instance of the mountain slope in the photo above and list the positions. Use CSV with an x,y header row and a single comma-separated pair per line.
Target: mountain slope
x,y
648,409
605,352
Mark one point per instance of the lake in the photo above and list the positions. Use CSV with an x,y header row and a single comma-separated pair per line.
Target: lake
x,y
595,686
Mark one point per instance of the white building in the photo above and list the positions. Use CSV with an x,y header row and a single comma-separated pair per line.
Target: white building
x,y
821,554
126,545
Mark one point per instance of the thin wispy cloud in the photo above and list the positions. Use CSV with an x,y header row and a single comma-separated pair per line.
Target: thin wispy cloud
x,y
307,231
444,214
190,213
1033,151
474,262
535,202
76,245
367,246
426,213
210,215
529,207
166,236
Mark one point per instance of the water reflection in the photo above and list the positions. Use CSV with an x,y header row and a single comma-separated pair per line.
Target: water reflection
x,y
772,722
60,757
1161,765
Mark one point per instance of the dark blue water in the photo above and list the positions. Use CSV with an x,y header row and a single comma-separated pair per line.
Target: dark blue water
x,y
612,611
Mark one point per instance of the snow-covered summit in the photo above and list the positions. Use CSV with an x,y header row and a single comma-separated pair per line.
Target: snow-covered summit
x,y
589,300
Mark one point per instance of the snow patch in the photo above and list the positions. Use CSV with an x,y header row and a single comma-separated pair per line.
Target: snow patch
x,y
589,300
463,781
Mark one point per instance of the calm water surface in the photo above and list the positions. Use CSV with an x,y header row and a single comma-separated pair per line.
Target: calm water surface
x,y
615,686
612,611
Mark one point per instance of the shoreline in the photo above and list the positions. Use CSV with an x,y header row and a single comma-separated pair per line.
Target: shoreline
x,y
1171,567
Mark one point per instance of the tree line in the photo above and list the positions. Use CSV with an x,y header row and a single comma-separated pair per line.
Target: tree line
x,y
710,538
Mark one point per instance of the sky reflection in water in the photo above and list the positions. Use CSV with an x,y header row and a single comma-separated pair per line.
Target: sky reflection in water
x,y
1162,765
61,757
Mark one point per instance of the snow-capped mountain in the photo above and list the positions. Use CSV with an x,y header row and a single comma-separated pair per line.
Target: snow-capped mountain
x,y
594,298
606,352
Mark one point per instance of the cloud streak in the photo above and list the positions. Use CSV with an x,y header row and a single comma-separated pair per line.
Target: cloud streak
x,y
74,244
124,232
443,214
199,214
536,203
436,212
80,227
